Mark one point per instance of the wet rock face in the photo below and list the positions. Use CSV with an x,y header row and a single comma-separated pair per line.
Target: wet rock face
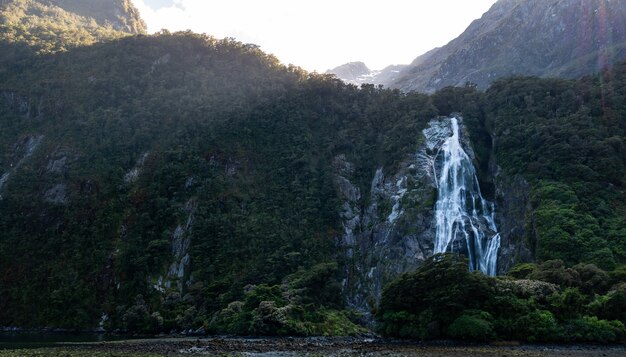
x,y
60,161
132,175
180,241
22,151
392,228
20,104
57,165
513,217
57,194
350,195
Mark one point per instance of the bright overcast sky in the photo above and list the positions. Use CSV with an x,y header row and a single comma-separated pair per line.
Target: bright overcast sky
x,y
322,34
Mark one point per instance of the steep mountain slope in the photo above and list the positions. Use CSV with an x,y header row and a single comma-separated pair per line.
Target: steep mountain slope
x,y
119,14
175,173
566,139
51,26
358,73
177,181
350,72
546,38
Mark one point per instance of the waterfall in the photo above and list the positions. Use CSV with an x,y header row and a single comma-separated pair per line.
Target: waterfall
x,y
462,214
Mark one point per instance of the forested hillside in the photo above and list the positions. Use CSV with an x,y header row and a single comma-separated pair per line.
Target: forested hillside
x,y
178,181
52,26
567,139
115,158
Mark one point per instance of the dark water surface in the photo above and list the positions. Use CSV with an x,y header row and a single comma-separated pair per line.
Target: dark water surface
x,y
16,340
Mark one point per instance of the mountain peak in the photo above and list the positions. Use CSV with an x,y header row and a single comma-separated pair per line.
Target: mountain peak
x,y
350,71
358,73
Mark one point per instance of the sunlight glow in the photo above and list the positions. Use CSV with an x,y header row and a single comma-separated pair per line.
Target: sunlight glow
x,y
322,34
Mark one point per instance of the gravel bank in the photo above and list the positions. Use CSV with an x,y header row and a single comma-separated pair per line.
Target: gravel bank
x,y
297,347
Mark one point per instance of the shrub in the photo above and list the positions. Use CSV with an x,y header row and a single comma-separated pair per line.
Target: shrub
x,y
523,271
618,275
424,303
554,271
472,325
593,279
567,304
592,329
538,326
613,304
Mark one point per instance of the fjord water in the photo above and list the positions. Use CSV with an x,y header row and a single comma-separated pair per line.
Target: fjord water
x,y
462,214
26,339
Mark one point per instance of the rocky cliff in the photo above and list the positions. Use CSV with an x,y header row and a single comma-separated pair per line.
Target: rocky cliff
x,y
392,228
122,15
546,38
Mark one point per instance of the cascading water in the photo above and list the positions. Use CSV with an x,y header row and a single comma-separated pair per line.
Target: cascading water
x,y
462,214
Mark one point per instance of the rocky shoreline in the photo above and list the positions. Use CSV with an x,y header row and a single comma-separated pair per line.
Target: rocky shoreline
x,y
316,346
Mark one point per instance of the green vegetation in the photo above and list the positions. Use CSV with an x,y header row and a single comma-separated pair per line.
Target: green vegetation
x,y
567,139
48,28
300,306
119,14
550,303
231,221
238,143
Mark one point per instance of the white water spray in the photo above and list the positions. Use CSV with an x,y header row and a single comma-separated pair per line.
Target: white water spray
x,y
462,214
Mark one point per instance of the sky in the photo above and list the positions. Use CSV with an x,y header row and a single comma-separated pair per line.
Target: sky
x,y
318,35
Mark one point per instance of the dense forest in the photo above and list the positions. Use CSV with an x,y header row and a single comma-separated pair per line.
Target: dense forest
x,y
178,181
249,152
548,302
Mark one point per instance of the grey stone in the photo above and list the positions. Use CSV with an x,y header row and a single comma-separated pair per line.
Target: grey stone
x,y
57,194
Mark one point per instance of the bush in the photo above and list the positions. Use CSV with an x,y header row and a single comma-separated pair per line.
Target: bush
x,y
317,285
612,305
567,304
593,279
424,303
618,275
538,326
283,310
472,325
554,271
523,271
592,329
137,318
406,325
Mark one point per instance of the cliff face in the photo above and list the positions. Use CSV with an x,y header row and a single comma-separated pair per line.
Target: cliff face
x,y
392,228
514,220
388,230
547,38
122,15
